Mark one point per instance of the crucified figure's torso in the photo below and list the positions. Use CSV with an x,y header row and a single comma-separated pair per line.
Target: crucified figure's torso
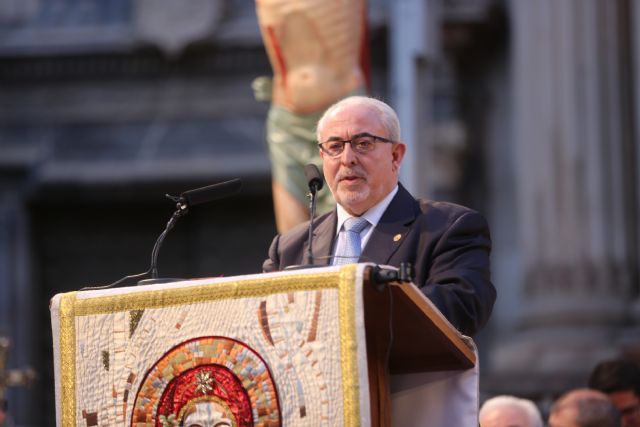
x,y
315,48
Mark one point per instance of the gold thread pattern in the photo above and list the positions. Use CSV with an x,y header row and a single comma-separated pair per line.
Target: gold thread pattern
x,y
68,359
205,292
349,345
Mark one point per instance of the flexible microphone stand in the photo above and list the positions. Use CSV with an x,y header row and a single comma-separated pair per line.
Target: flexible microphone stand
x,y
186,199
183,202
313,189
182,208
314,179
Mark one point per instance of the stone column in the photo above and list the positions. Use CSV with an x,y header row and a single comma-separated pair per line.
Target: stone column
x,y
576,196
414,46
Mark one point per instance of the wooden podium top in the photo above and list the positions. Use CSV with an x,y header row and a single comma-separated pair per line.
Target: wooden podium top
x,y
406,334
421,338
441,346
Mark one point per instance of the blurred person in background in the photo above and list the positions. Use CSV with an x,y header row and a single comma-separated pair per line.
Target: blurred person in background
x,y
5,420
509,411
584,407
620,380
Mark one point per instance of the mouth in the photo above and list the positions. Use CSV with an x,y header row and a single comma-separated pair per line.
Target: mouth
x,y
350,177
351,181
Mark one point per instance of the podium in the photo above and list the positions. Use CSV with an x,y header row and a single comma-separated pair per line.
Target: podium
x,y
311,347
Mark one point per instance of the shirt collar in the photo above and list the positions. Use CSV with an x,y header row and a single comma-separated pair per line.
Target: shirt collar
x,y
372,215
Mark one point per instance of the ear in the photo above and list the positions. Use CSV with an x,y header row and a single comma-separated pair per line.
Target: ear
x,y
397,154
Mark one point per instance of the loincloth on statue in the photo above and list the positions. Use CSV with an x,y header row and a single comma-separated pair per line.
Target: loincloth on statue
x,y
291,138
292,144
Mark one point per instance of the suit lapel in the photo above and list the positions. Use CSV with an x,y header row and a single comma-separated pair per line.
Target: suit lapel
x,y
323,234
392,228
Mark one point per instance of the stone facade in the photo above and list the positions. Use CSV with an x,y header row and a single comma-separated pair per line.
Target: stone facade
x,y
575,156
527,111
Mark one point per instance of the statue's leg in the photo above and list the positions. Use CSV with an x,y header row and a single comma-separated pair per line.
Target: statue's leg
x,y
288,209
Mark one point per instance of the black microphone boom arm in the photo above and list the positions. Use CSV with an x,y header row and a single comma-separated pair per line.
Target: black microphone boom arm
x,y
187,199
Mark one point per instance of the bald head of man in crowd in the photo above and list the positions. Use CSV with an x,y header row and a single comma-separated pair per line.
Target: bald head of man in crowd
x,y
584,408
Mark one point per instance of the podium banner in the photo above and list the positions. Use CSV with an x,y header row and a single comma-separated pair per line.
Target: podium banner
x,y
273,349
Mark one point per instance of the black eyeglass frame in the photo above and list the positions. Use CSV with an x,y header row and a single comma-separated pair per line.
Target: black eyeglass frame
x,y
376,138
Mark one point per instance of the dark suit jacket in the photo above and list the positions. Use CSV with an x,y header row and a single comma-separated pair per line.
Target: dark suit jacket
x,y
448,245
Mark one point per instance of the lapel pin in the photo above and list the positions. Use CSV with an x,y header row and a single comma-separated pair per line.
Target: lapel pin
x,y
397,237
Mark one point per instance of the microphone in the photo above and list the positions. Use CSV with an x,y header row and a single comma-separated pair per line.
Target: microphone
x,y
186,199
314,179
183,202
211,192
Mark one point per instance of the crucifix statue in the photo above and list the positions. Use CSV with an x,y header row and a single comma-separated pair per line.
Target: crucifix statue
x,y
10,377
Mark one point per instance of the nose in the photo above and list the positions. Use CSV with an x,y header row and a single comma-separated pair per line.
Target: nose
x,y
348,155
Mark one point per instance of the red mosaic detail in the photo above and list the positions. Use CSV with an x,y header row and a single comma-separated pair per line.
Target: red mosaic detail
x,y
222,371
225,386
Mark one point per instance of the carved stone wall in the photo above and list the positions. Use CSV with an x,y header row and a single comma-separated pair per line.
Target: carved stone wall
x,y
577,196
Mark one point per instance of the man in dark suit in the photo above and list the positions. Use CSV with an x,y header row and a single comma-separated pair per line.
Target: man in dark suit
x,y
448,244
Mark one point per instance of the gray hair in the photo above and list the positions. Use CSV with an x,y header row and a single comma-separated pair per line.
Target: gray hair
x,y
388,117
527,406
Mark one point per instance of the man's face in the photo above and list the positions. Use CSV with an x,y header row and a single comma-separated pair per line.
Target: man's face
x,y
359,181
628,404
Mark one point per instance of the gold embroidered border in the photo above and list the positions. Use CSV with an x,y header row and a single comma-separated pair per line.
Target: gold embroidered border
x,y
349,346
205,292
70,307
68,359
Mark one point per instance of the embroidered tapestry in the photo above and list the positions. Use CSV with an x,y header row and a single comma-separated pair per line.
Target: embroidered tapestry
x,y
280,349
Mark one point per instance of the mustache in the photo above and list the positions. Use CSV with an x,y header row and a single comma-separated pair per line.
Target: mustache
x,y
344,173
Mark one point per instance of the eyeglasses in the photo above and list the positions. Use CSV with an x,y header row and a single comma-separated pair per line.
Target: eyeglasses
x,y
361,143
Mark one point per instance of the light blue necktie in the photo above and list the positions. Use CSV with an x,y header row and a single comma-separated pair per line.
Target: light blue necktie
x,y
348,250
